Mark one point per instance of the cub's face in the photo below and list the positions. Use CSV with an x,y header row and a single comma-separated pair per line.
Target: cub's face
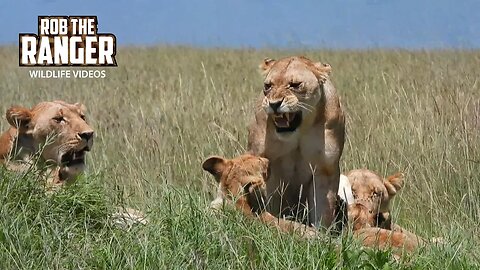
x,y
372,191
59,129
359,216
241,179
292,86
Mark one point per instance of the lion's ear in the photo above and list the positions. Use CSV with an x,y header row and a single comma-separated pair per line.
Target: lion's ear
x,y
323,70
81,107
266,65
394,183
323,67
18,117
215,165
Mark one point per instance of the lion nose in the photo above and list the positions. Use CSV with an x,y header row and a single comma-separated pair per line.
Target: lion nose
x,y
275,105
86,135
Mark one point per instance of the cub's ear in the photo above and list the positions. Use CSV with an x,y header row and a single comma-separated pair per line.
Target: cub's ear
x,y
266,65
322,71
81,107
18,117
323,67
393,183
215,165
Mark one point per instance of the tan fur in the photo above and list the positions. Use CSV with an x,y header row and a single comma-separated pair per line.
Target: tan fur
x,y
56,129
364,223
385,239
304,162
369,215
242,181
372,190
376,193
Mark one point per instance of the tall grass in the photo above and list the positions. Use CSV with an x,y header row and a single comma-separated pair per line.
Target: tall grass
x,y
164,109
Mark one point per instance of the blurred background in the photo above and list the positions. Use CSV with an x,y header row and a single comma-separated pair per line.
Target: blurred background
x,y
341,24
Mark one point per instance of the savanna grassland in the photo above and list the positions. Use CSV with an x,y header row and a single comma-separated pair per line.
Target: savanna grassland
x,y
164,109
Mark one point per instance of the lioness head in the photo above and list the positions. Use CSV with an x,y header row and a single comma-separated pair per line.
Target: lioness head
x,y
241,179
373,191
56,129
293,86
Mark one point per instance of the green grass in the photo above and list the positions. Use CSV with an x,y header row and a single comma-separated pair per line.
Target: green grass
x,y
164,109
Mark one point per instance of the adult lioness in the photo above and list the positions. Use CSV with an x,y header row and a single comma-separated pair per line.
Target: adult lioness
x,y
57,130
300,127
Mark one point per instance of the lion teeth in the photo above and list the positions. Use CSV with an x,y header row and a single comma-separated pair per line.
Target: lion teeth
x,y
282,120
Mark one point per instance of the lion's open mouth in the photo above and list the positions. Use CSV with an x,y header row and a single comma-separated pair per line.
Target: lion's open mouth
x,y
287,122
74,157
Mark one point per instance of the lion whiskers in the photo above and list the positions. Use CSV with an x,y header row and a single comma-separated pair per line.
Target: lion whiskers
x,y
306,106
68,145
292,105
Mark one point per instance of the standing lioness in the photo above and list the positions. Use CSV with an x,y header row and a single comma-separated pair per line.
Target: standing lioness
x,y
300,127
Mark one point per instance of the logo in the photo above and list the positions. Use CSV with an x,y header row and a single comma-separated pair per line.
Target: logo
x,y
67,41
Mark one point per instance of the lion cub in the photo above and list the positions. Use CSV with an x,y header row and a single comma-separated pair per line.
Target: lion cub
x,y
369,197
367,188
242,181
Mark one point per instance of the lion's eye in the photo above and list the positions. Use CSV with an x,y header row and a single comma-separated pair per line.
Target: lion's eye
x,y
376,194
267,87
83,117
294,84
58,119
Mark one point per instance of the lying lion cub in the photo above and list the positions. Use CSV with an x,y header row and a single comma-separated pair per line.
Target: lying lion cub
x,y
242,181
367,188
56,130
369,209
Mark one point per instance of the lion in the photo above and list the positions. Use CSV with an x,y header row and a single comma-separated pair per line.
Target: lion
x,y
300,127
370,189
242,182
365,187
57,131
369,210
